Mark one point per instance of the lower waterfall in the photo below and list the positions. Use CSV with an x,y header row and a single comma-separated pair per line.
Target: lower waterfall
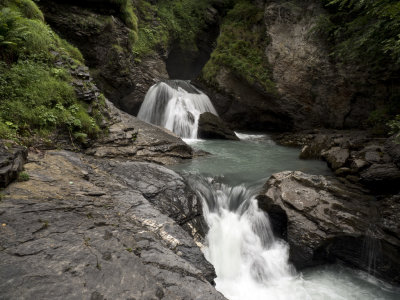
x,y
250,263
175,105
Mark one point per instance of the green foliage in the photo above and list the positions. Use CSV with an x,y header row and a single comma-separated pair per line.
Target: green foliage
x,y
27,8
241,46
366,32
22,36
36,97
169,21
23,176
127,14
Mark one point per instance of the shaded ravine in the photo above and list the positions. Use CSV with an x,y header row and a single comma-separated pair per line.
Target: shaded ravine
x,y
250,262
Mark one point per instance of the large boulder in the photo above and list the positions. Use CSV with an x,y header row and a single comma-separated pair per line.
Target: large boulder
x,y
324,220
12,160
212,127
131,138
89,228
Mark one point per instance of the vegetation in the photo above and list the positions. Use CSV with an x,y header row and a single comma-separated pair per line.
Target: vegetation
x,y
241,46
366,32
170,21
36,96
23,176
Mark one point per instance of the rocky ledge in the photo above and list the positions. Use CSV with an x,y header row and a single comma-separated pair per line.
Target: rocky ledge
x,y
91,228
130,138
12,159
325,220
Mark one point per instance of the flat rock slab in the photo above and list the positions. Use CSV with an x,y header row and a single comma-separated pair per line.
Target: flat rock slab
x,y
79,230
324,219
134,139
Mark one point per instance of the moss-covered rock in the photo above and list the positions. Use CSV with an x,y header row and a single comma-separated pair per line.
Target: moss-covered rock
x,y
37,92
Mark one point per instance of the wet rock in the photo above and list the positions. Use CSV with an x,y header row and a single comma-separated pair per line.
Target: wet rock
x,y
325,220
131,138
358,164
381,177
392,147
12,160
212,127
336,157
57,241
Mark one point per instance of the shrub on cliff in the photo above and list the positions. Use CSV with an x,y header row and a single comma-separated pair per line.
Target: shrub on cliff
x,y
366,32
170,21
240,47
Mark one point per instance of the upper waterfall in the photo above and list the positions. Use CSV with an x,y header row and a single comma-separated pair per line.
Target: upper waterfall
x,y
175,105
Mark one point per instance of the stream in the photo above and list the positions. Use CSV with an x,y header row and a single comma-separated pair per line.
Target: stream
x,y
250,262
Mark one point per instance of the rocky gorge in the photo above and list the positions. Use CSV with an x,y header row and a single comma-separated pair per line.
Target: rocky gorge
x,y
89,205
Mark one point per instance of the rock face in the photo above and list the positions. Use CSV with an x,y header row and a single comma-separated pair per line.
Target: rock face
x,y
312,89
12,160
100,34
324,220
87,228
128,137
212,127
97,29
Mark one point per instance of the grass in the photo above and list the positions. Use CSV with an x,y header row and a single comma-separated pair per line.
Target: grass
x,y
23,176
36,97
241,46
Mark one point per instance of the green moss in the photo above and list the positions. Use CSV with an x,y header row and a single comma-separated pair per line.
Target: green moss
x,y
168,21
37,98
240,47
27,8
20,36
23,176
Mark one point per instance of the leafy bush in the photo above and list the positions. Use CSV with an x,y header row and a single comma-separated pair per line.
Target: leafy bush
x,y
241,46
366,32
27,8
22,36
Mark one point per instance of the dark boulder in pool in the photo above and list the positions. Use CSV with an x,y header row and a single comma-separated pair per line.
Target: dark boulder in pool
x,y
326,220
212,127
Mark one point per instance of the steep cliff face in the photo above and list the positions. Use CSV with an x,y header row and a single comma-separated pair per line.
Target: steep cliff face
x,y
301,86
317,90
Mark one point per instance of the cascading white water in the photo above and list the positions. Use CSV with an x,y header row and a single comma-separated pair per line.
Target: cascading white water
x,y
175,105
251,264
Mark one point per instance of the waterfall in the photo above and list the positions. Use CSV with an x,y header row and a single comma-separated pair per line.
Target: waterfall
x,y
249,261
175,105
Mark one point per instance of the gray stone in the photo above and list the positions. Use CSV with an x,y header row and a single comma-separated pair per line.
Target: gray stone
x,y
12,160
323,220
58,242
212,127
336,157
384,177
133,139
